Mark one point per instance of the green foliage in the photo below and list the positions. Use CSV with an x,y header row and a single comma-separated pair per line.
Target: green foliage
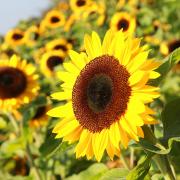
x,y
115,174
171,119
50,145
166,66
50,158
94,172
141,170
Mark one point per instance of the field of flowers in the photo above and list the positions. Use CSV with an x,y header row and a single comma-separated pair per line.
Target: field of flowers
x,y
91,91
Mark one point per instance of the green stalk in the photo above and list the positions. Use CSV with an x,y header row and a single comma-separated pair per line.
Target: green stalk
x,y
161,160
124,161
14,123
31,161
164,166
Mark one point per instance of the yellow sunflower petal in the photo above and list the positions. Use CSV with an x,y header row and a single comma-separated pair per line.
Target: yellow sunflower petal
x,y
107,41
67,128
96,43
99,141
114,134
136,77
61,111
77,59
62,95
137,61
71,68
89,47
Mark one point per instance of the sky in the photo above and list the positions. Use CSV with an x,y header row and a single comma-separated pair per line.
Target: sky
x,y
11,11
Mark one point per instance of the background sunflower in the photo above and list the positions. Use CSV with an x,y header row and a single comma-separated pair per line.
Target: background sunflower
x,y
18,84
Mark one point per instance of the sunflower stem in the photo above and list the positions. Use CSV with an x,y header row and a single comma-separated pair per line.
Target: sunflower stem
x,y
31,161
131,157
164,166
161,160
124,161
14,123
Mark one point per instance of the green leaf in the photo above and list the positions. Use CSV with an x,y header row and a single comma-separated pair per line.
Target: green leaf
x,y
94,172
11,147
169,62
151,144
115,174
50,146
171,119
141,170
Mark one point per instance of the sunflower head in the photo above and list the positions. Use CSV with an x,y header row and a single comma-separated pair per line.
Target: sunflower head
x,y
53,19
59,44
123,20
18,83
40,118
14,37
168,47
50,60
31,35
21,166
78,6
102,87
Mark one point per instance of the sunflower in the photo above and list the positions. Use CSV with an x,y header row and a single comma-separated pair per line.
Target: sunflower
x,y
6,51
168,47
18,83
31,35
102,89
123,20
21,166
79,6
59,44
99,10
53,19
14,37
40,118
50,60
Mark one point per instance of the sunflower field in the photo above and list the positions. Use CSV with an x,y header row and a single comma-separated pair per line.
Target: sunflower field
x,y
91,91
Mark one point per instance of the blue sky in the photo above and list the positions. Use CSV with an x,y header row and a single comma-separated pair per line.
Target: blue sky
x,y
11,11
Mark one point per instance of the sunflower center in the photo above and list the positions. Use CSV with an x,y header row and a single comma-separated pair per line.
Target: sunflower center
x,y
101,93
40,112
36,36
81,2
13,82
55,19
17,36
174,45
62,47
123,23
53,61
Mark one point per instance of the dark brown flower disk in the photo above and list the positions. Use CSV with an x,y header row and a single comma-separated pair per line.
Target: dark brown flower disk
x,y
53,61
40,112
123,23
80,3
101,93
17,36
173,45
13,82
55,19
61,47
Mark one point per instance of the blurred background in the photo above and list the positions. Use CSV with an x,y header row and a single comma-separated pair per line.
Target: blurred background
x,y
11,12
41,32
